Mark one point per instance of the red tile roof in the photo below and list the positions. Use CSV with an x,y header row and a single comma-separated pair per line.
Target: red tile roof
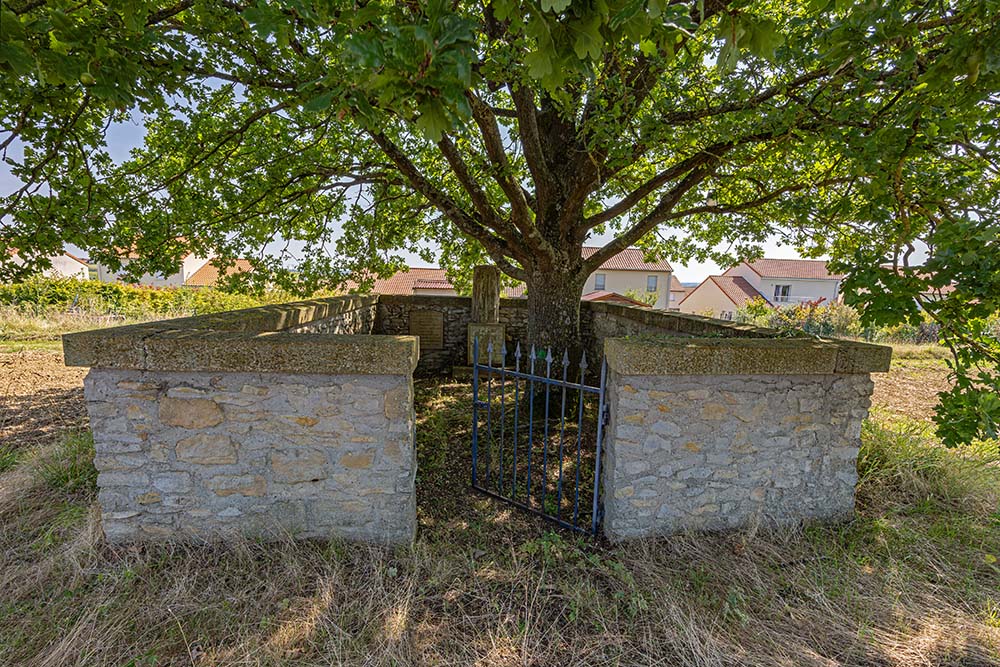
x,y
421,278
629,259
613,297
808,269
82,261
208,275
736,288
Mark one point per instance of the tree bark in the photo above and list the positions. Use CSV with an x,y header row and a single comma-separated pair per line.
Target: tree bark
x,y
554,311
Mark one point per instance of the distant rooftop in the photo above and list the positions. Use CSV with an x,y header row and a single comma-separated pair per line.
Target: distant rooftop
x,y
807,269
629,259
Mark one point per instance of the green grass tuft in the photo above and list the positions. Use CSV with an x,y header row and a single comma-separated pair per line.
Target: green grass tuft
x,y
69,467
8,458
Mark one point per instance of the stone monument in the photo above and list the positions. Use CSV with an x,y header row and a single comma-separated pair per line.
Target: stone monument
x,y
485,324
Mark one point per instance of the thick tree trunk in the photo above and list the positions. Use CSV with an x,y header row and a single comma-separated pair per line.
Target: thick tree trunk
x,y
554,311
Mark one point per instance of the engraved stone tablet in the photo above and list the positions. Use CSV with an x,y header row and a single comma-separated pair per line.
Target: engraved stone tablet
x,y
429,325
486,333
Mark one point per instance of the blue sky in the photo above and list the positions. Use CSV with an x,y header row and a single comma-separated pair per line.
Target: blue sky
x,y
122,137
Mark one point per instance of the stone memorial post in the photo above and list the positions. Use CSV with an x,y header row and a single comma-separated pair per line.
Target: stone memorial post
x,y
485,324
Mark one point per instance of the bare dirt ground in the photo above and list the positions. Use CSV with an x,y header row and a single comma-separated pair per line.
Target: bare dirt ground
x,y
39,398
911,387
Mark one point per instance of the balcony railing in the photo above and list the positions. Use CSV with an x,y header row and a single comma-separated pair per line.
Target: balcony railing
x,y
794,299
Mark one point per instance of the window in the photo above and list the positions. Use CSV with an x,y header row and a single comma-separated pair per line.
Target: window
x,y
650,283
727,315
599,281
782,292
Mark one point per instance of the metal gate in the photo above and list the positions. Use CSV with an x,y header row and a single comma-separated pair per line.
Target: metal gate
x,y
527,450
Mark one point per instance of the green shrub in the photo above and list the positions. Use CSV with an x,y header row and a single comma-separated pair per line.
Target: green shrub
x,y
40,296
69,467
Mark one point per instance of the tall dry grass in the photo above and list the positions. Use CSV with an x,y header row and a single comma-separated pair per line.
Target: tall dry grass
x,y
913,580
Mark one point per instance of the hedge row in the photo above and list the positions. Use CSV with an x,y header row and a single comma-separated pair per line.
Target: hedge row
x,y
96,297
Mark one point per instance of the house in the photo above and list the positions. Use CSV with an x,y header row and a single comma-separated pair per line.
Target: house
x,y
778,282
628,271
208,274
613,297
678,291
790,281
720,296
189,265
63,266
424,280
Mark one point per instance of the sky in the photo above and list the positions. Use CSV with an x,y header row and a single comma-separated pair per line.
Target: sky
x,y
122,137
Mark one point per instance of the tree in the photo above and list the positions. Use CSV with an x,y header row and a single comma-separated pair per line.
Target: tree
x,y
511,131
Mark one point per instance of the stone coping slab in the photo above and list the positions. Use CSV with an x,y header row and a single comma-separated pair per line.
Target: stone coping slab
x,y
666,355
253,339
683,323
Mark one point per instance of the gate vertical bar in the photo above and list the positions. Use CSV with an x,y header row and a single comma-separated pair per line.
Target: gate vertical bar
x,y
531,423
489,413
503,409
562,431
517,404
545,443
596,517
579,441
475,409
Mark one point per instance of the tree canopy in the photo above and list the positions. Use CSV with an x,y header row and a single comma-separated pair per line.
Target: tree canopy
x,y
513,131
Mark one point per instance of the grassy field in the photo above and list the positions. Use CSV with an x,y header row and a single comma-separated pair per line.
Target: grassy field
x,y
914,579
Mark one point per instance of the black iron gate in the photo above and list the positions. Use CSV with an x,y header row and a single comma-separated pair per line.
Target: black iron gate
x,y
524,449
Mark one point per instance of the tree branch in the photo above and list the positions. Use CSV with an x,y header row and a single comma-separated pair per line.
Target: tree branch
x,y
497,247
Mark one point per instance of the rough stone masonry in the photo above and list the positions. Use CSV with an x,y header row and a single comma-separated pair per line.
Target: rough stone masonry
x,y
746,432
208,455
257,423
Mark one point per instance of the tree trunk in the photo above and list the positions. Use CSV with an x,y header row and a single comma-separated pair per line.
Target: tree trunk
x,y
554,311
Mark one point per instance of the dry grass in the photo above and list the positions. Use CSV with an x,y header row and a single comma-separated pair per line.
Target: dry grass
x,y
913,580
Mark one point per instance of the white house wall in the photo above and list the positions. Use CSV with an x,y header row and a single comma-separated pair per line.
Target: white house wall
x,y
623,281
801,289
708,299
189,265
64,266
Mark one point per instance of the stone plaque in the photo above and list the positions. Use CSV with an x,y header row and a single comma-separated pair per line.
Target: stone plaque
x,y
429,325
486,333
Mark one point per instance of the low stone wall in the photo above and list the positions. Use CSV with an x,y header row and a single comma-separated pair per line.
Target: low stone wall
x,y
205,428
394,313
709,434
600,321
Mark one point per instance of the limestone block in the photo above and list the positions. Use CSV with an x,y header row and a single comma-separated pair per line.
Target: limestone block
x,y
207,449
191,413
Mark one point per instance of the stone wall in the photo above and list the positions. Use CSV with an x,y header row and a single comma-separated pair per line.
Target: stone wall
x,y
600,321
394,319
356,316
211,455
238,423
720,434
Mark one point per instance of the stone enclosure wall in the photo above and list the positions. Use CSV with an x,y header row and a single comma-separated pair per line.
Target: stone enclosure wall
x,y
298,419
208,455
710,435
265,423
394,313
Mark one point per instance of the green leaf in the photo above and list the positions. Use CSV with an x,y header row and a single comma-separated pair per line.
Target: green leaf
x,y
433,120
319,102
539,64
589,42
555,5
17,58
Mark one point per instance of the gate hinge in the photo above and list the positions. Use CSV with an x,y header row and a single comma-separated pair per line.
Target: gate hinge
x,y
605,416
